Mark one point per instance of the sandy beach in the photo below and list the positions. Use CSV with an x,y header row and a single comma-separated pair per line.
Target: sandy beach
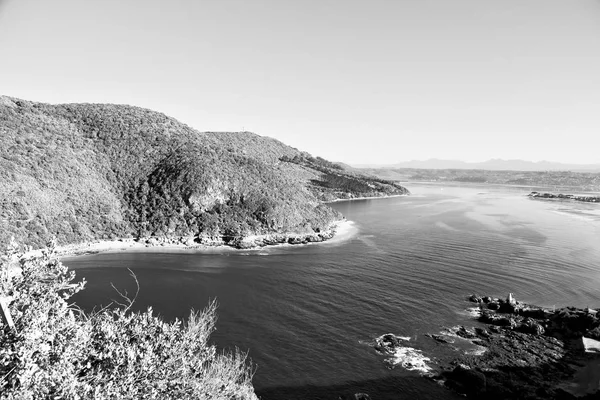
x,y
367,198
341,231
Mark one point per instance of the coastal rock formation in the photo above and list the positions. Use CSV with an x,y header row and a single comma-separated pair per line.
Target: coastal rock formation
x,y
587,199
387,343
408,357
440,338
568,322
530,352
274,239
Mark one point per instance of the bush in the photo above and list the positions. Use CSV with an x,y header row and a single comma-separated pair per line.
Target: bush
x,y
57,351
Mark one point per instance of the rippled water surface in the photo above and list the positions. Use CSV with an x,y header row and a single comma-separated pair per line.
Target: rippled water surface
x,y
308,314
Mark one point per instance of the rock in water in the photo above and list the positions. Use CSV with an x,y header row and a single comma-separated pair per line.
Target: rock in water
x,y
441,338
475,299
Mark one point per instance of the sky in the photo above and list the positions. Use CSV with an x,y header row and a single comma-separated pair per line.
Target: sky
x,y
371,81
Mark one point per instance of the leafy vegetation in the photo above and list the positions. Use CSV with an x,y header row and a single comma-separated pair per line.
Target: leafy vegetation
x,y
56,351
335,182
81,172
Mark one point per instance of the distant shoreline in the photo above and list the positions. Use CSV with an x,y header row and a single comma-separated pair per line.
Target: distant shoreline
x,y
525,187
561,196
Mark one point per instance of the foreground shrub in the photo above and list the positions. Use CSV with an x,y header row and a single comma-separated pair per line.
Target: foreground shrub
x,y
56,351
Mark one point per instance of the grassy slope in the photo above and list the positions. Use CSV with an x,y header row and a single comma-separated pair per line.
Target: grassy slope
x,y
101,171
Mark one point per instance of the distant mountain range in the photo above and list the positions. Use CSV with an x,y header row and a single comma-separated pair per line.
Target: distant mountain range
x,y
493,164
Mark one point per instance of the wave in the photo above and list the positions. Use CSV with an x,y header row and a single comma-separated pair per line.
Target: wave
x,y
406,357
472,312
410,359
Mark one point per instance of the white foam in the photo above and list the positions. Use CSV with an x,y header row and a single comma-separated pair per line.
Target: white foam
x,y
477,351
407,357
410,359
405,338
474,312
255,252
451,332
344,231
462,343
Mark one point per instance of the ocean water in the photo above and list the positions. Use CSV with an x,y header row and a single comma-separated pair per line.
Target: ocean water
x,y
309,315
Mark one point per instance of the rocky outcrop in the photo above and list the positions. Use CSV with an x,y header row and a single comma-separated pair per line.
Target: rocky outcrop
x,y
530,352
568,322
248,242
440,338
587,199
387,343
275,239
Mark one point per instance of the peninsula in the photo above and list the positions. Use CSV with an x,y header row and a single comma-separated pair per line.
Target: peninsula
x,y
586,199
88,172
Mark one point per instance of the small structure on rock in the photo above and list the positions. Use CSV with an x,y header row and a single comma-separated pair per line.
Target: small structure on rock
x,y
511,299
590,345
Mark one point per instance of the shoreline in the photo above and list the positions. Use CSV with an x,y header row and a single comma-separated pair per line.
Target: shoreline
x,y
561,196
515,350
528,349
338,231
367,198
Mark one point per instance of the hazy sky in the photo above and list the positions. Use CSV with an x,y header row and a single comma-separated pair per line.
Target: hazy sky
x,y
355,81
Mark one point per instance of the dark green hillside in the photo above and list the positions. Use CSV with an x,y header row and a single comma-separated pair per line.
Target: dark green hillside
x,y
263,148
335,181
99,171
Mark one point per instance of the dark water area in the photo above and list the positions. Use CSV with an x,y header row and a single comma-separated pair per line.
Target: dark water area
x,y
308,315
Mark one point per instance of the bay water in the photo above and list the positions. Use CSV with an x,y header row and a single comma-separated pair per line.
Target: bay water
x,y
308,315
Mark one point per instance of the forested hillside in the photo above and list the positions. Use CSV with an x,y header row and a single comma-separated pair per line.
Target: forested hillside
x,y
81,172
